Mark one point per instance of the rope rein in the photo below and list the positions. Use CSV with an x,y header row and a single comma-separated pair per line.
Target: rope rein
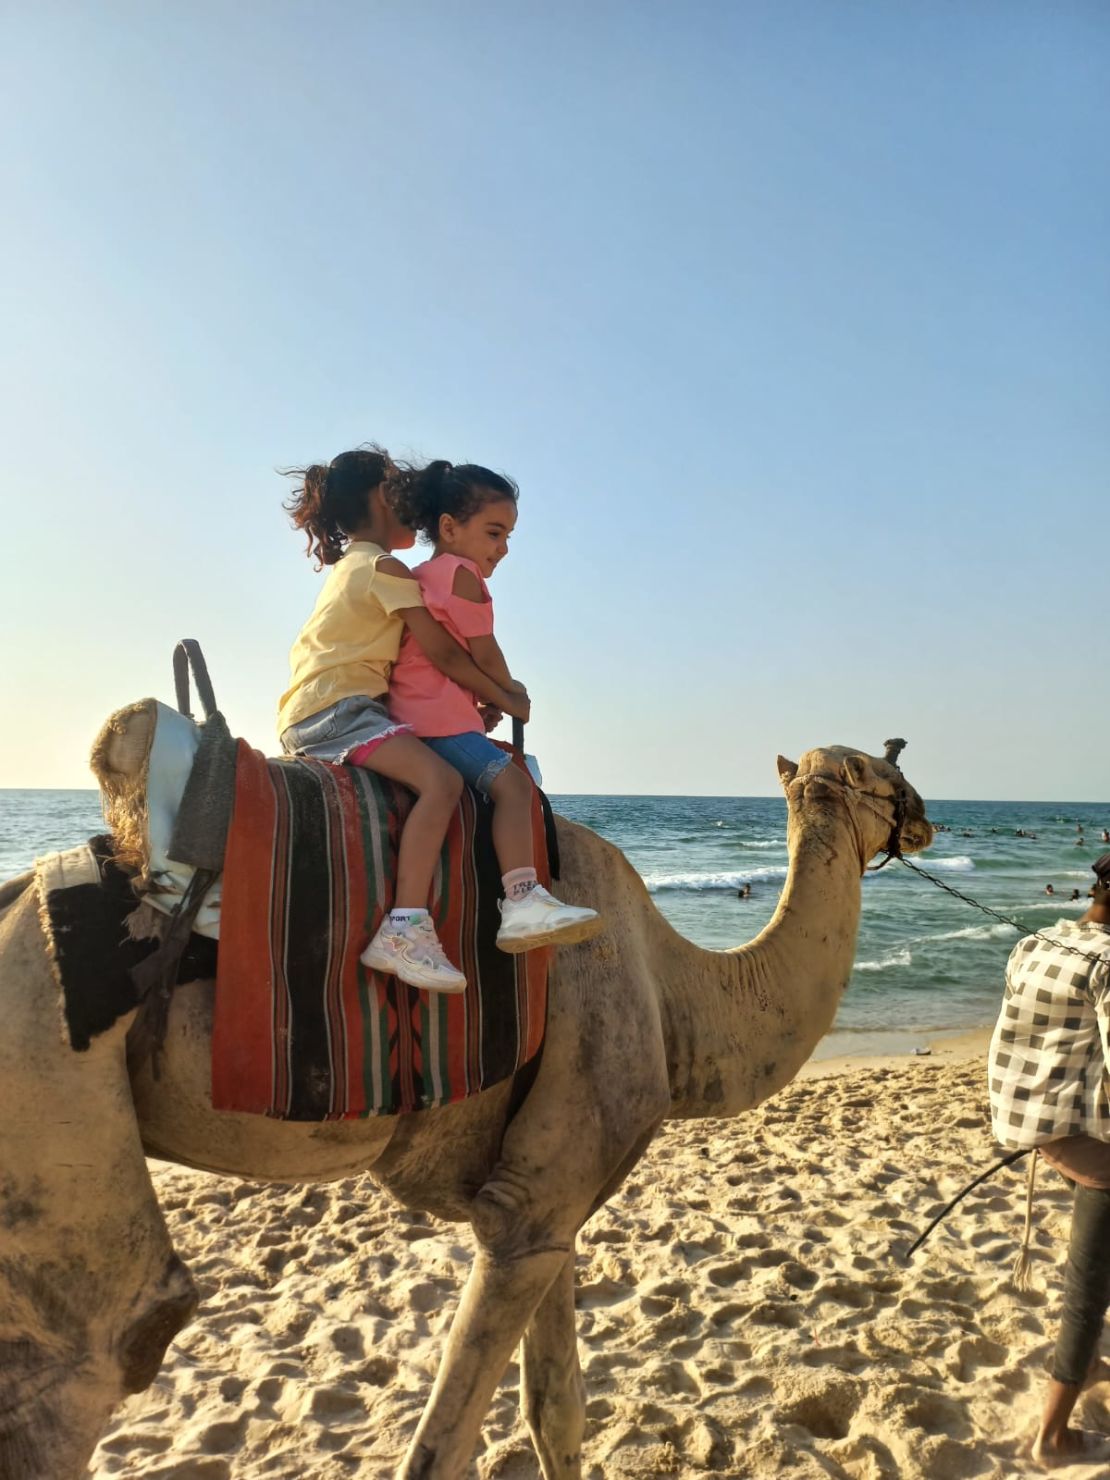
x,y
994,914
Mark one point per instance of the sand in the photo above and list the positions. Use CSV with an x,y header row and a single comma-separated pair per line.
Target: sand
x,y
744,1308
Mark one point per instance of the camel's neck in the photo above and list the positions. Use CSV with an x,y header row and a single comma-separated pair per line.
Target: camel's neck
x,y
740,1024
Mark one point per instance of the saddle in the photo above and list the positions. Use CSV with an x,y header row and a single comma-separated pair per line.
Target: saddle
x,y
288,864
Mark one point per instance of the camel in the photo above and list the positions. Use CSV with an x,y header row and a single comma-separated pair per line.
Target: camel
x,y
642,1026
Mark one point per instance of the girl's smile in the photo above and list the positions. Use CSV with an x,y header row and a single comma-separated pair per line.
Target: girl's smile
x,y
483,538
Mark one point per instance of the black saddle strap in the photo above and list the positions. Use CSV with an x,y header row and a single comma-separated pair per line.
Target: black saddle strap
x,y
186,655
551,837
155,978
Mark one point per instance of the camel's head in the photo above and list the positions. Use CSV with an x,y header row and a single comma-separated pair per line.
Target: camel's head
x,y
877,795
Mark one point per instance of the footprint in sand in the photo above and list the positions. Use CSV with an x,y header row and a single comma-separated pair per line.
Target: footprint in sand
x,y
965,1359
191,1469
798,1276
128,1441
337,1401
729,1274
935,1414
725,1315
595,1294
776,1313
827,1412
843,1358
223,1437
844,1292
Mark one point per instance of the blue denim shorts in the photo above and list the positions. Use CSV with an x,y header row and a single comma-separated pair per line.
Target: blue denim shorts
x,y
478,761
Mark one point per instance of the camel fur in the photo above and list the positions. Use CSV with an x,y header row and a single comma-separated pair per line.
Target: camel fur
x,y
642,1025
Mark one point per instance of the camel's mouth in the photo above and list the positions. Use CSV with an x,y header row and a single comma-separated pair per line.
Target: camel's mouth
x,y
917,831
877,781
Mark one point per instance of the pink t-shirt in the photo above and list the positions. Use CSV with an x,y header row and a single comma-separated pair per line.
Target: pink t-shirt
x,y
419,694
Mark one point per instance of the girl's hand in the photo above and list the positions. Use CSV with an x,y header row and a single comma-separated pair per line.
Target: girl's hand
x,y
491,716
517,703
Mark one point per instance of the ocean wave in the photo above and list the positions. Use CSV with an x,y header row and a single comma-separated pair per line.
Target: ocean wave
x,y
761,843
658,883
975,932
901,957
961,864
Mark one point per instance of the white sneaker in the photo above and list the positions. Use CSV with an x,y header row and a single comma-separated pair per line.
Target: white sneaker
x,y
413,953
541,920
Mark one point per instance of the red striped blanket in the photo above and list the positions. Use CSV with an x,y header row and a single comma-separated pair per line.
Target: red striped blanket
x,y
302,1030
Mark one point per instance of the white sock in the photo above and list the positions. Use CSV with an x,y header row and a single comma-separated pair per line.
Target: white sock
x,y
400,916
518,883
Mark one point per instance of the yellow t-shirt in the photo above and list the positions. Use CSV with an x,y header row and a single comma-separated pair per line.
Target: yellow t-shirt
x,y
350,642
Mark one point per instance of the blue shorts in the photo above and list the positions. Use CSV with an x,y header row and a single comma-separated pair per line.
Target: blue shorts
x,y
478,761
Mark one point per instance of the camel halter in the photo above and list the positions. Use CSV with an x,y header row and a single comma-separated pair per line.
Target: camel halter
x,y
899,803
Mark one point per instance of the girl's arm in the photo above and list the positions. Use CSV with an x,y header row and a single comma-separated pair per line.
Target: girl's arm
x,y
441,649
448,656
485,650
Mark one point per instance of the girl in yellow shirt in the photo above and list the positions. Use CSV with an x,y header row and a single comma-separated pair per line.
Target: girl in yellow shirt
x,y
339,676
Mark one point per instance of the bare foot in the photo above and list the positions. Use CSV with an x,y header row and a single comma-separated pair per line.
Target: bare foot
x,y
1070,1447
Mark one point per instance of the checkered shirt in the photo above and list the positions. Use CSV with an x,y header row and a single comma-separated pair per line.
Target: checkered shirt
x,y
1051,1045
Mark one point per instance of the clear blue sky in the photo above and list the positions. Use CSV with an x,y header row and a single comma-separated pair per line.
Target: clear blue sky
x,y
791,319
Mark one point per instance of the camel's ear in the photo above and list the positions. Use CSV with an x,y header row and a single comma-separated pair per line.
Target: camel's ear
x,y
855,769
787,770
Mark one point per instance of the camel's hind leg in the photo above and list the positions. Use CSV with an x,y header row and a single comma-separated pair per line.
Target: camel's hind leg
x,y
553,1394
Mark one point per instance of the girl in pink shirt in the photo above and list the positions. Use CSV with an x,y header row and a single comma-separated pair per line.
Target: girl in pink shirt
x,y
468,513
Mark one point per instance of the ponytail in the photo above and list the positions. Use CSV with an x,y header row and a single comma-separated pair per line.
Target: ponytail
x,y
333,500
421,495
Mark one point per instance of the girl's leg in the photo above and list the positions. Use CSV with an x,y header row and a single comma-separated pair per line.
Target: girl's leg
x,y
438,787
530,916
511,795
406,944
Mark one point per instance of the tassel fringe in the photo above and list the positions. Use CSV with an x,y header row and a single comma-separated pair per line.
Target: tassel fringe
x,y
1023,1264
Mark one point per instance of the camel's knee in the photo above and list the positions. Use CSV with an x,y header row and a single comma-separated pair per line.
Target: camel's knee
x,y
509,1226
143,1344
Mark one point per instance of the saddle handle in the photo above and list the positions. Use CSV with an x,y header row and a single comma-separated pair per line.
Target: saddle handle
x,y
518,735
186,655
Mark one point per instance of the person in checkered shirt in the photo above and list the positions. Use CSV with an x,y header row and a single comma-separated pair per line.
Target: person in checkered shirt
x,y
1049,1070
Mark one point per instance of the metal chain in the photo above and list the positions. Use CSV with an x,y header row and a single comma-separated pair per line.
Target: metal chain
x,y
1005,919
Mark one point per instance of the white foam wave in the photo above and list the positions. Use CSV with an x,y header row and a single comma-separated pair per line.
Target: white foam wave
x,y
659,882
961,864
976,932
761,842
902,957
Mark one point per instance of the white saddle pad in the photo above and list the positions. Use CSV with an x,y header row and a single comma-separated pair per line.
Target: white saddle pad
x,y
172,752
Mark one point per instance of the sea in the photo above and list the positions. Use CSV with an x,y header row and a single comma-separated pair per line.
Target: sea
x,y
927,964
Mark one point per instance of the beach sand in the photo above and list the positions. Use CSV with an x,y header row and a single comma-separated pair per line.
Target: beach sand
x,y
744,1308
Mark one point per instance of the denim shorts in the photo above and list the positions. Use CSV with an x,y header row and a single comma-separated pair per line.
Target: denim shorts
x,y
478,761
349,730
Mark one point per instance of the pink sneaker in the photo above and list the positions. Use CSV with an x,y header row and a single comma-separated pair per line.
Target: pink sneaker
x,y
413,953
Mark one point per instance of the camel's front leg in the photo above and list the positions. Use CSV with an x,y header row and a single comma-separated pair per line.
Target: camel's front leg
x,y
552,1392
91,1291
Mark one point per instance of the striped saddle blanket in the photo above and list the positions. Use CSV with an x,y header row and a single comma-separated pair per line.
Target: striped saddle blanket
x,y
303,1031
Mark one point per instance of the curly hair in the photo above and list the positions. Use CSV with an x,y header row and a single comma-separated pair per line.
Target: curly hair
x,y
332,499
419,496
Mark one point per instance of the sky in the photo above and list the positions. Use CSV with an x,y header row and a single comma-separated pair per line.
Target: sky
x,y
790,318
